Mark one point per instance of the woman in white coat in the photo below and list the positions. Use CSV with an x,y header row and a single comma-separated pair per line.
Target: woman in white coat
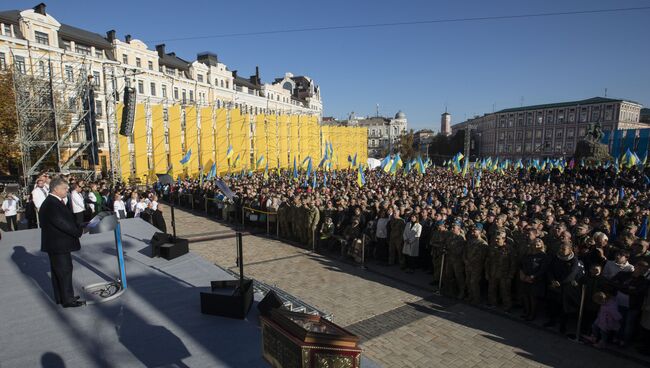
x,y
411,237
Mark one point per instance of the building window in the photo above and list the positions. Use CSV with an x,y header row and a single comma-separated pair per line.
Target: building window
x,y
595,114
165,114
570,133
520,135
549,133
569,146
540,118
69,74
7,30
549,117
97,78
170,71
191,96
227,84
160,68
609,112
582,132
538,134
125,59
528,147
164,90
150,64
184,94
42,38
560,117
99,111
3,61
99,53
138,62
82,49
502,136
558,134
100,136
572,116
518,148
141,87
19,62
200,78
529,134
583,115
529,118
175,93
153,88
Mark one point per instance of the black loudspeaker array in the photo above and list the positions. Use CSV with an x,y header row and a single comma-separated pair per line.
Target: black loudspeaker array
x,y
128,112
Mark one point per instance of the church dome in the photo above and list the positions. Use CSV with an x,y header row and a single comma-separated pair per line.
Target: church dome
x,y
400,115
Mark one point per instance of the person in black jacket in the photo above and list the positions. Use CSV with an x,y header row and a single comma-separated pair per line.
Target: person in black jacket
x,y
563,274
59,237
532,274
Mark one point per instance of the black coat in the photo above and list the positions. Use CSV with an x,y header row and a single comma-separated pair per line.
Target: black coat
x,y
59,230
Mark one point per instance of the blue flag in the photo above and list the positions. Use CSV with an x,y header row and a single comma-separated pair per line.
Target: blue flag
x,y
621,193
643,230
187,157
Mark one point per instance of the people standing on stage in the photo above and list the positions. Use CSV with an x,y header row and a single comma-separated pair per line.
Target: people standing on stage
x,y
140,207
131,205
95,199
10,209
59,237
78,203
119,207
39,193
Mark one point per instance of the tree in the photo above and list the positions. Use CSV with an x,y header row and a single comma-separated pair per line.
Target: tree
x,y
9,147
406,147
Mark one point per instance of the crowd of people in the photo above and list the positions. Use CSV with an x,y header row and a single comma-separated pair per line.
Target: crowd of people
x,y
541,240
85,200
526,237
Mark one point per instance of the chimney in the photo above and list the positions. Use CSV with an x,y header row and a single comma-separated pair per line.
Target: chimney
x,y
127,38
257,72
110,35
161,50
40,9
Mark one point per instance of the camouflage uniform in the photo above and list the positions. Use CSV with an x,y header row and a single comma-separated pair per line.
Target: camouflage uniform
x,y
303,225
396,226
476,253
438,246
501,267
312,224
283,218
295,211
454,266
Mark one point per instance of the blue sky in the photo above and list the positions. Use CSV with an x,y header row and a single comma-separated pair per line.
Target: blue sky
x,y
468,66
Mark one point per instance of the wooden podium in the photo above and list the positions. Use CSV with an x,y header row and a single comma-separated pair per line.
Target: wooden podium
x,y
299,340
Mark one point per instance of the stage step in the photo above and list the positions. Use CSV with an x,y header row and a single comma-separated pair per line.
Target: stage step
x,y
289,301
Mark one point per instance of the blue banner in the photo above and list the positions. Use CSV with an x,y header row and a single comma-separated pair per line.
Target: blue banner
x,y
642,147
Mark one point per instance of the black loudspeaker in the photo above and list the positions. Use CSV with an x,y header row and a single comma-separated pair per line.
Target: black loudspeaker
x,y
235,305
128,112
271,301
166,246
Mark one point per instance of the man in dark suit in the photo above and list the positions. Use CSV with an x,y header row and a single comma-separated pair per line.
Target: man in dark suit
x,y
59,237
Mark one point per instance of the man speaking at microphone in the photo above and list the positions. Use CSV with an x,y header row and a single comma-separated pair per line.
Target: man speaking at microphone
x,y
59,237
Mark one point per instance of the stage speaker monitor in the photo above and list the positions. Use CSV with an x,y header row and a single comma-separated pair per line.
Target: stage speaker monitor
x,y
166,246
221,304
128,112
271,301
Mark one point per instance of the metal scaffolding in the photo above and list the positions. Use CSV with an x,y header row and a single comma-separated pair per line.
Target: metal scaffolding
x,y
52,103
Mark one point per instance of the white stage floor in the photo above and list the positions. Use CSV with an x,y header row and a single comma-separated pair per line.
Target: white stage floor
x,y
156,323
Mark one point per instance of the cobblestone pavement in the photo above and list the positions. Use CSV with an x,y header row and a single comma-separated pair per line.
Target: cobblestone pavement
x,y
400,324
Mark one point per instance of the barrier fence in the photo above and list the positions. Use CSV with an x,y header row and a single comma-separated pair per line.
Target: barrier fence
x,y
245,216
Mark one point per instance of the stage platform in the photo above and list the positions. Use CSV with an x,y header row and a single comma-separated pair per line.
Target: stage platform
x,y
156,323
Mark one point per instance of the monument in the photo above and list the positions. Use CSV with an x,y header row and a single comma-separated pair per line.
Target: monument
x,y
590,149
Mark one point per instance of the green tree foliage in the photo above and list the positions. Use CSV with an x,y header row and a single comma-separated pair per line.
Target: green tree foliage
x,y
9,147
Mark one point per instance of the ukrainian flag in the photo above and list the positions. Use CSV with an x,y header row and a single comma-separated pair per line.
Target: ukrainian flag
x,y
187,157
230,152
259,162
361,179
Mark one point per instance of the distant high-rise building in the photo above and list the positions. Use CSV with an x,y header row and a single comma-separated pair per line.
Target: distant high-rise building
x,y
445,123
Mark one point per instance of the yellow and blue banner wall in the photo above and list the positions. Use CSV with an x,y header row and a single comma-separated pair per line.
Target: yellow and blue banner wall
x,y
209,132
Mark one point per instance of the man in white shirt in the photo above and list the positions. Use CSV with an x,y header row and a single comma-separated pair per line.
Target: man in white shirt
x,y
39,193
78,204
10,208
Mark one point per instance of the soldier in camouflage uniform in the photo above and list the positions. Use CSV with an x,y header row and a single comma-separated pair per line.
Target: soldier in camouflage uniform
x,y
294,214
501,267
454,263
476,252
302,220
438,246
396,231
283,219
312,223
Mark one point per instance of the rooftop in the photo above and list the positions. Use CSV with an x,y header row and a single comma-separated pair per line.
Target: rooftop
x,y
589,101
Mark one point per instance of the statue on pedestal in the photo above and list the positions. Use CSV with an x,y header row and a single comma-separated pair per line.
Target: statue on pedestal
x,y
590,148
